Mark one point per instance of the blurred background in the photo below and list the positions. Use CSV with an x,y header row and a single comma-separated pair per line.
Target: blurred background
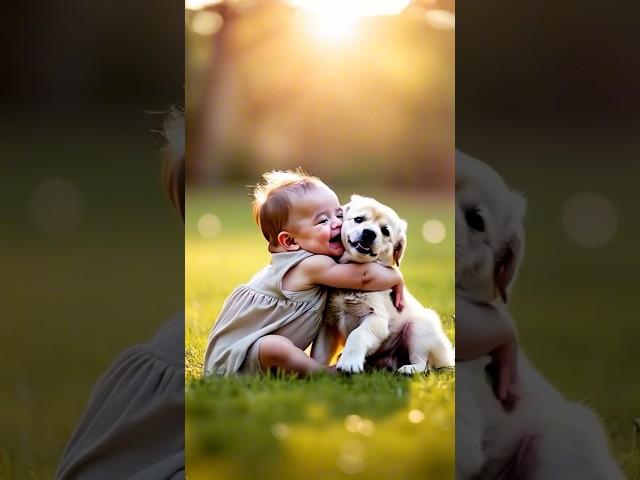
x,y
271,84
361,94
92,251
548,95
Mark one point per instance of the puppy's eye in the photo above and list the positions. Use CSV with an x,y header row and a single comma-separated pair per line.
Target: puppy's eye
x,y
385,231
474,220
358,219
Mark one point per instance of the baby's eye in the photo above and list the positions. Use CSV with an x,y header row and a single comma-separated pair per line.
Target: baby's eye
x,y
385,231
323,221
339,215
358,219
474,220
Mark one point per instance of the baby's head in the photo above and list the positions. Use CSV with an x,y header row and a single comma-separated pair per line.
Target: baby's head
x,y
297,211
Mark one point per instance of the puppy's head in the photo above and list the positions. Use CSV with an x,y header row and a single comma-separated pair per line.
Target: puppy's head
x,y
372,232
489,232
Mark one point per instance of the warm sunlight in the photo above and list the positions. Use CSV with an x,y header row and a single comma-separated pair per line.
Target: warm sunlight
x,y
199,4
336,20
352,8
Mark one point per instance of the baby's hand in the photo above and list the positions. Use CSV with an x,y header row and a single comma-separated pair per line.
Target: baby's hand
x,y
397,295
504,372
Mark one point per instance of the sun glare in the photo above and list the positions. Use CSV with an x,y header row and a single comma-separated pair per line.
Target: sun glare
x,y
353,8
333,29
200,4
337,20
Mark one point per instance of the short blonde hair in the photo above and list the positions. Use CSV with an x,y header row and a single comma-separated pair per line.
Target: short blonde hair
x,y
273,197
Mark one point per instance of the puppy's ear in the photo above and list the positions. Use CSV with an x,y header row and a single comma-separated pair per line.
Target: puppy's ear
x,y
509,257
401,243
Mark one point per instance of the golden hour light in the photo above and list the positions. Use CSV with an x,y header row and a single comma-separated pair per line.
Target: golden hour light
x,y
441,19
352,8
200,4
333,29
337,20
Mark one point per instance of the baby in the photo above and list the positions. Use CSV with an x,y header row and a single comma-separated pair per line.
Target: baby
x,y
267,324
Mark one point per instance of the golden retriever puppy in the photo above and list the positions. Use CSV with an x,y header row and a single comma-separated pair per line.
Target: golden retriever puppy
x,y
373,232
545,437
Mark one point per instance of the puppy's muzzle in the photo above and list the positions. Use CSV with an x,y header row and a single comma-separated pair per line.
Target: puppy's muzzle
x,y
364,243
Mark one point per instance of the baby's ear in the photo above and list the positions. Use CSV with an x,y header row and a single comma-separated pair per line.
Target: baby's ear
x,y
286,241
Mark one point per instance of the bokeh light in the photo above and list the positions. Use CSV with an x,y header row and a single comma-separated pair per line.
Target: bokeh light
x,y
280,431
441,19
352,423
57,206
356,424
209,226
351,457
589,220
206,23
434,231
416,416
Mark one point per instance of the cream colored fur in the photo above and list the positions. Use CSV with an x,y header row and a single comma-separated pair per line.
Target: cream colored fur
x,y
373,232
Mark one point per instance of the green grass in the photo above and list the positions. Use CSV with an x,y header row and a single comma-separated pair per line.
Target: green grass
x,y
322,427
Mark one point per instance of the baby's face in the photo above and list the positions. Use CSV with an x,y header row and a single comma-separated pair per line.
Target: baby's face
x,y
315,222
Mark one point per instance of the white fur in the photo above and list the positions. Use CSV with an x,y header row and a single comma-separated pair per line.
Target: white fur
x,y
367,319
566,439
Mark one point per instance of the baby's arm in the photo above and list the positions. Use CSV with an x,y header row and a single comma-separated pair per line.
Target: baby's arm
x,y
480,329
323,270
487,330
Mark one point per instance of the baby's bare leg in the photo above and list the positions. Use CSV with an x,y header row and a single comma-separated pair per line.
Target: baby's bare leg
x,y
280,352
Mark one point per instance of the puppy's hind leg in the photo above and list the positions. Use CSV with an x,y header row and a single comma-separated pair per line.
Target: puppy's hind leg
x,y
441,353
427,344
418,349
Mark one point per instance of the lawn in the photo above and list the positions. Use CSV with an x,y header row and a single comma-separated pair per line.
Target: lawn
x,y
376,425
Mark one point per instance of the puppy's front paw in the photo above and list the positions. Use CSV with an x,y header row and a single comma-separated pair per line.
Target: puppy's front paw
x,y
350,363
411,369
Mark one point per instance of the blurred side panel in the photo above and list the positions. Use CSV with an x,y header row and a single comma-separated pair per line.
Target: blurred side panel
x,y
547,97
92,249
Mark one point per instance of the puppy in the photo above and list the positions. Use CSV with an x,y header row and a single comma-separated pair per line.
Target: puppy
x,y
546,436
372,232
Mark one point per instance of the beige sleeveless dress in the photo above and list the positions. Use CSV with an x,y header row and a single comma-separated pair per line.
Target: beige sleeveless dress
x,y
258,308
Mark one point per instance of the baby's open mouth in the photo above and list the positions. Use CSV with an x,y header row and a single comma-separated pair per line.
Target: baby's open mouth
x,y
336,239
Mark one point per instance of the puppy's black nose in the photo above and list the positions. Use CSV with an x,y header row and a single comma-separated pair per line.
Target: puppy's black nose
x,y
368,235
